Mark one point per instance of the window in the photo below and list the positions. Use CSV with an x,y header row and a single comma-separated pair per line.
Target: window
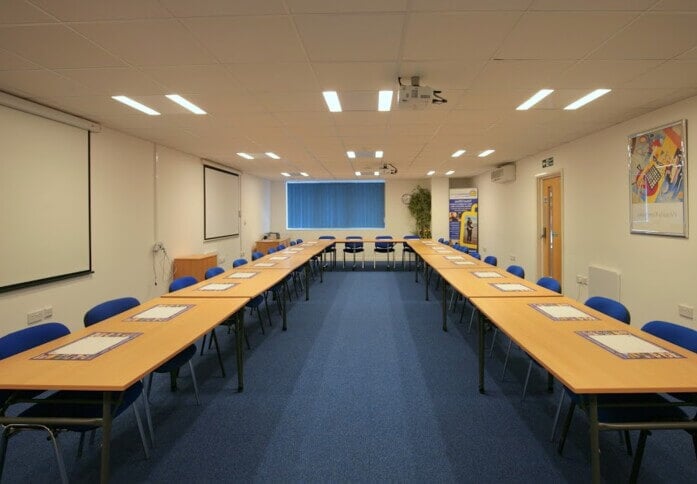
x,y
335,205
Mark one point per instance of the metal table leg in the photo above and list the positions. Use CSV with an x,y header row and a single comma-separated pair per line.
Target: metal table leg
x,y
595,445
481,352
240,349
307,281
106,436
445,315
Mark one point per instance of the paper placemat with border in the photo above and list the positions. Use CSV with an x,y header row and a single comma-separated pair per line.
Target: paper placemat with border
x,y
88,347
628,346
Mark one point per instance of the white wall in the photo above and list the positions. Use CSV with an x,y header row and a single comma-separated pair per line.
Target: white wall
x,y
656,271
440,204
398,220
141,193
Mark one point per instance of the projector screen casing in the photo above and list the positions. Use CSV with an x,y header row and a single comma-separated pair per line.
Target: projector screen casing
x,y
44,200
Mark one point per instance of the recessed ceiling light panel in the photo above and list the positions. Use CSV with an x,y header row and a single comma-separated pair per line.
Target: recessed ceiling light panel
x,y
586,99
485,153
185,103
536,98
135,105
332,100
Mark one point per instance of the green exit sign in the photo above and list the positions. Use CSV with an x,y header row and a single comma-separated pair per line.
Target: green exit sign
x,y
547,162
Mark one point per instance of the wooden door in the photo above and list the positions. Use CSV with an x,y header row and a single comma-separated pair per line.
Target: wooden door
x,y
551,238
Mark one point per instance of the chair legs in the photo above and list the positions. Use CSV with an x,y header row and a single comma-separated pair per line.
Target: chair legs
x,y
567,424
556,414
7,432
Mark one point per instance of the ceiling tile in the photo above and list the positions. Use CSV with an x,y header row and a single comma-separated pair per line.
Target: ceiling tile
x,y
205,8
112,81
54,46
360,37
339,6
593,5
442,75
653,36
22,12
671,74
282,77
185,79
520,74
456,36
464,5
133,42
92,10
248,39
594,74
538,34
38,83
10,61
344,76
297,101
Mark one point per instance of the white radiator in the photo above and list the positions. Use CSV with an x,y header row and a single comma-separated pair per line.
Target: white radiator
x,y
603,282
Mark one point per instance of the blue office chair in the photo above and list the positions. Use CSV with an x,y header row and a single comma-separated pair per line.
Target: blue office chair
x,y
618,311
330,249
408,250
60,404
298,241
213,271
257,255
475,254
255,303
516,271
173,365
354,248
491,260
646,408
463,249
383,248
272,250
280,247
292,243
548,283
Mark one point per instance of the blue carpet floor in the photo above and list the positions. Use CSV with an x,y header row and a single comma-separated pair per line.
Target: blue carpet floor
x,y
364,386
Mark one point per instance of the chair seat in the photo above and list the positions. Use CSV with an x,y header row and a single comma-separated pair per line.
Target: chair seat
x,y
69,409
384,250
353,250
652,411
177,361
255,302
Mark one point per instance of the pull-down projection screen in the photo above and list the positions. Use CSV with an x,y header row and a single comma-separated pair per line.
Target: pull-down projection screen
x,y
221,204
44,200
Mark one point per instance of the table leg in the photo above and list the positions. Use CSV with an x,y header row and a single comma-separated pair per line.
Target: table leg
x,y
426,281
321,272
595,445
445,315
240,350
481,352
307,281
106,436
283,307
416,267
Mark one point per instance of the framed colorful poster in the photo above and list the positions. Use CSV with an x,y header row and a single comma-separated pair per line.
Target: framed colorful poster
x,y
658,180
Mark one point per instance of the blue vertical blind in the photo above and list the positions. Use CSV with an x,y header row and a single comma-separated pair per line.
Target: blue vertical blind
x,y
335,205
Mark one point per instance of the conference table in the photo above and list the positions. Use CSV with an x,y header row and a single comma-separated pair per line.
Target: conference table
x,y
112,355
591,354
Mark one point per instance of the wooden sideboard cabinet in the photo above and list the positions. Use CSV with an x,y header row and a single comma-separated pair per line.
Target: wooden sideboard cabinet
x,y
264,245
193,265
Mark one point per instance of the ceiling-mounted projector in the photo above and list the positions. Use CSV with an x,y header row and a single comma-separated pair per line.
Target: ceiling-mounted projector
x,y
415,96
388,169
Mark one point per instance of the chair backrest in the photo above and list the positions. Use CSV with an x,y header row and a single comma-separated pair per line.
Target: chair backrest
x,y
675,333
441,240
280,247
610,307
28,338
108,309
491,259
213,271
516,271
549,283
463,249
383,245
257,255
354,245
327,237
239,262
476,255
271,250
299,241
410,236
181,283
292,243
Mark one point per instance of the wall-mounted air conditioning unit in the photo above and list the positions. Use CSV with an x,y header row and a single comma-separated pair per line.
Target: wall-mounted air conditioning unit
x,y
503,174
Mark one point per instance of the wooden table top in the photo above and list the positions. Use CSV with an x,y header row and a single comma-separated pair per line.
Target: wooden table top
x,y
466,282
122,366
261,281
454,260
582,365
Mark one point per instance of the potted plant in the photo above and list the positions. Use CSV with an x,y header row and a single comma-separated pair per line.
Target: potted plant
x,y
420,209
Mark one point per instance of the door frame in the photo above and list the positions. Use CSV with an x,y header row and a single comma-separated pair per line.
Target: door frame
x,y
539,179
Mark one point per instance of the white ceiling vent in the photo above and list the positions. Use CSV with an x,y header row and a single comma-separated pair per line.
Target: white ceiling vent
x,y
503,174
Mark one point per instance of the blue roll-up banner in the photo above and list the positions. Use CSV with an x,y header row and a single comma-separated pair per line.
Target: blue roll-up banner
x,y
464,217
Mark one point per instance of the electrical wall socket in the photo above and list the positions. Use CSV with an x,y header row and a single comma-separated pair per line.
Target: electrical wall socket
x,y
581,279
35,316
686,311
48,312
